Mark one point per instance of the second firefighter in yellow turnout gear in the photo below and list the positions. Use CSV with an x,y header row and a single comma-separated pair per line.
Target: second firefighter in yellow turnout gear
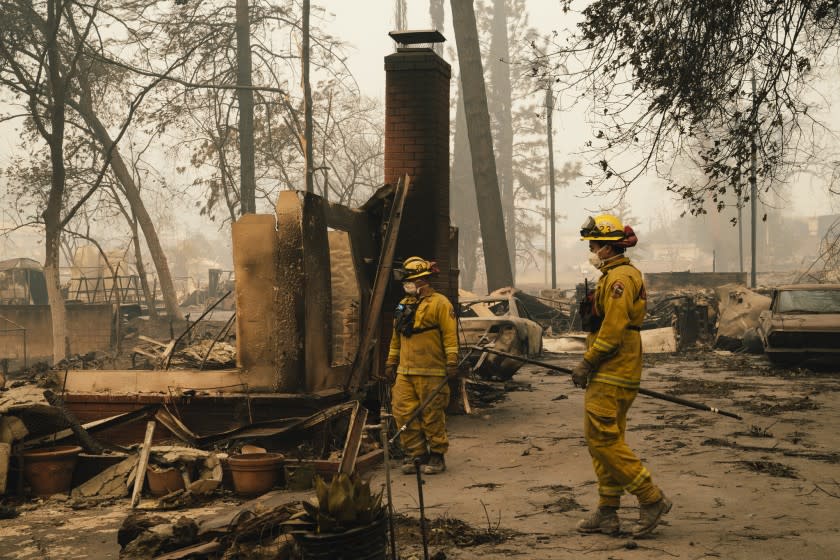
x,y
423,351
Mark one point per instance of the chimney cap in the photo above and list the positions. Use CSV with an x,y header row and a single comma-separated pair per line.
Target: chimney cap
x,y
417,36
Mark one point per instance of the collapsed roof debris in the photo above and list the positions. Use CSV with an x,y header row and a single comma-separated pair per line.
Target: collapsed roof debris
x,y
739,311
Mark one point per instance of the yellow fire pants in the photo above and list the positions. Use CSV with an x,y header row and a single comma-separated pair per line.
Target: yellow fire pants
x,y
428,432
616,466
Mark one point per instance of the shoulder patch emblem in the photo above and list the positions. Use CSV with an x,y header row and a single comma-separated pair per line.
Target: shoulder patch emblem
x,y
617,289
452,312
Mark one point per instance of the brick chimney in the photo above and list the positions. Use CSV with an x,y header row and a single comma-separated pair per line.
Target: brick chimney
x,y
417,144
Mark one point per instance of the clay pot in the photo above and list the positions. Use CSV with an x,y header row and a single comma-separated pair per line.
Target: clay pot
x,y
50,471
255,473
163,481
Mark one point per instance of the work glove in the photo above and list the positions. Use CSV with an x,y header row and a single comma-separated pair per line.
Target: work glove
x,y
581,374
453,371
390,373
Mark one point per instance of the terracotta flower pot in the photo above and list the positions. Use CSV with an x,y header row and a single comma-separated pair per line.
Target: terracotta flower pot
x,y
255,473
163,481
50,470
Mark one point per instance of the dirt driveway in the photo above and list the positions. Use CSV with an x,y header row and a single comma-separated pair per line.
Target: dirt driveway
x,y
764,488
519,474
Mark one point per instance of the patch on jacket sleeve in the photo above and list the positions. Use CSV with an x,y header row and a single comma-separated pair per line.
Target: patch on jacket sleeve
x,y
617,289
452,312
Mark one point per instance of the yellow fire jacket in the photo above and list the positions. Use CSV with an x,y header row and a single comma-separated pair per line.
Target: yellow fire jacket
x,y
429,351
615,351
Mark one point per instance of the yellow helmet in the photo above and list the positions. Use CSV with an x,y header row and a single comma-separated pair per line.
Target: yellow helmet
x,y
603,227
416,267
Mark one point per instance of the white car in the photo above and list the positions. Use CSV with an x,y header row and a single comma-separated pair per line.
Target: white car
x,y
502,323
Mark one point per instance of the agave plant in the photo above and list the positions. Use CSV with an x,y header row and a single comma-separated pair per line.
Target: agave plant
x,y
343,504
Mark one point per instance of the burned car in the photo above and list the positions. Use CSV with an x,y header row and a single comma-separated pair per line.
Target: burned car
x,y
501,322
803,323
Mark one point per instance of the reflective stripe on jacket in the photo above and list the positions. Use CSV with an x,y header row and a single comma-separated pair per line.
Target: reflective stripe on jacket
x,y
615,351
427,352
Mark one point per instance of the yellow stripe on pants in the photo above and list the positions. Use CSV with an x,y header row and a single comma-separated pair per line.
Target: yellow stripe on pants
x,y
427,433
616,466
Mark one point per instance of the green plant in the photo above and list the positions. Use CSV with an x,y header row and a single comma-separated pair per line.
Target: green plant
x,y
345,503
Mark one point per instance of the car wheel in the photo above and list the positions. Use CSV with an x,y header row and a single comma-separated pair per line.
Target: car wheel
x,y
784,359
752,342
500,368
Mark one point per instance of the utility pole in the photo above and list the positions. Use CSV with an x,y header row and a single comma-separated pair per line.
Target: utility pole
x,y
753,150
740,239
545,238
549,108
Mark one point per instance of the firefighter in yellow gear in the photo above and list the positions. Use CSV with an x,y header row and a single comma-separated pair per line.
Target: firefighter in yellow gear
x,y
610,372
423,351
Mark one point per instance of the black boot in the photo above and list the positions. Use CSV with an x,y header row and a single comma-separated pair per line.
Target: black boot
x,y
436,464
408,464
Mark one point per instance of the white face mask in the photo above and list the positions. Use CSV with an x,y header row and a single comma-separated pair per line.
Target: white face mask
x,y
410,288
595,260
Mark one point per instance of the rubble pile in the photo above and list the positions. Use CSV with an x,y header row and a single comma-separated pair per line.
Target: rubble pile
x,y
252,530
205,354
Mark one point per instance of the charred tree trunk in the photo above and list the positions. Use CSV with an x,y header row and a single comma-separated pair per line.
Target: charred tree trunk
x,y
462,195
400,17
245,95
307,100
496,255
58,311
141,270
500,106
85,108
436,15
52,214
131,220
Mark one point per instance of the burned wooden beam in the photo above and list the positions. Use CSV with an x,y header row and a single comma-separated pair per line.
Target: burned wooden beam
x,y
85,439
96,426
355,430
140,475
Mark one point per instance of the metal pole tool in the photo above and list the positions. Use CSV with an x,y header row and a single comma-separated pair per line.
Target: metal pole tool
x,y
419,410
642,390
418,467
383,438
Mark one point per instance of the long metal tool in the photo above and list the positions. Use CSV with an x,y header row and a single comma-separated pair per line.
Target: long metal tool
x,y
418,469
383,438
419,410
642,390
